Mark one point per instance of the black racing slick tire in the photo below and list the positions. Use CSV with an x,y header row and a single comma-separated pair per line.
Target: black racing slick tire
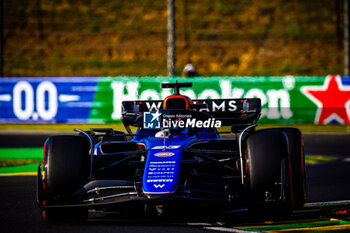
x,y
67,168
297,158
268,171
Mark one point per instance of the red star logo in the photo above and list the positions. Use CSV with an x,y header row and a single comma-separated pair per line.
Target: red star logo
x,y
332,100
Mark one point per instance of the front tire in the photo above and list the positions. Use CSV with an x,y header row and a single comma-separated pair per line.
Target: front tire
x,y
66,161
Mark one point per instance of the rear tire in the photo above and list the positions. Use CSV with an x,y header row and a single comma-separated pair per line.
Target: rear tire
x,y
67,168
267,163
297,158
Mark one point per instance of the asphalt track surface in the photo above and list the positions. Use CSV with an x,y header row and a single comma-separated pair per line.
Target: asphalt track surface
x,y
19,213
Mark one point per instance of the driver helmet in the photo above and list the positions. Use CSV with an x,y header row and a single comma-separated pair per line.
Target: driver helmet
x,y
189,71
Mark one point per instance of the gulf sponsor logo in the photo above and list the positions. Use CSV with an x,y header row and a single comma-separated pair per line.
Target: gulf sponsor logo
x,y
164,154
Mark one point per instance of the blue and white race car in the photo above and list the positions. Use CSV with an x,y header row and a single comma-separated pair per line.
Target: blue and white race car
x,y
184,154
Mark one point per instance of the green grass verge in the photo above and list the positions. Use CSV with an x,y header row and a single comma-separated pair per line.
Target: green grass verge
x,y
314,159
20,159
18,162
25,168
21,153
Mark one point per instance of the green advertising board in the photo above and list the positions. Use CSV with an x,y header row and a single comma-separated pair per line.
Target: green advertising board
x,y
284,99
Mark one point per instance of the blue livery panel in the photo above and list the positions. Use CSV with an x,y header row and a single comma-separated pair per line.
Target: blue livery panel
x,y
162,170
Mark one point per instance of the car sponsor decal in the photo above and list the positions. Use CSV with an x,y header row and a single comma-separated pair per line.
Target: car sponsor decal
x,y
167,147
164,154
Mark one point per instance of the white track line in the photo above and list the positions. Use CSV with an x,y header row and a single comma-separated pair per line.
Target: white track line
x,y
327,203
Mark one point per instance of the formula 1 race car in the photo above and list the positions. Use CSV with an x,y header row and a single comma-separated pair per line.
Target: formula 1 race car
x,y
179,157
